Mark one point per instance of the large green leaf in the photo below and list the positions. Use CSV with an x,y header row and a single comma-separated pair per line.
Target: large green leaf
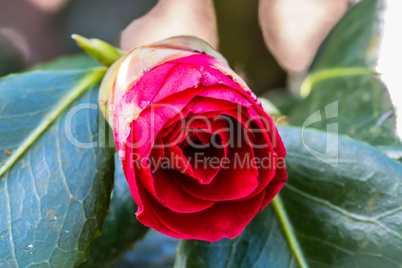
x,y
54,195
342,81
121,228
346,214
343,212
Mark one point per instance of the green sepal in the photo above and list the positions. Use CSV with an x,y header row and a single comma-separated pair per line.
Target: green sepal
x,y
105,53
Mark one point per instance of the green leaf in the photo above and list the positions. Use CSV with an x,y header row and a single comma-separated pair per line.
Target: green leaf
x,y
347,214
344,212
354,40
32,102
54,195
72,62
343,84
394,151
156,250
121,228
359,105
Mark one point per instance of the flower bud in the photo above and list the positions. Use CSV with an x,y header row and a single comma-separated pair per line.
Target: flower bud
x,y
200,155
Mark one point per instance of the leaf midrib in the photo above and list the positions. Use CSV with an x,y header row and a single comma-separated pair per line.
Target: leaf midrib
x,y
325,74
356,217
94,76
287,227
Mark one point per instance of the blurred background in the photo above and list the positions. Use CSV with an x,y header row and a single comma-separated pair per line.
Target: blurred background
x,y
35,31
271,43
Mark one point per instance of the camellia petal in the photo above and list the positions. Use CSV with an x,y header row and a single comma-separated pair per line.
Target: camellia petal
x,y
224,219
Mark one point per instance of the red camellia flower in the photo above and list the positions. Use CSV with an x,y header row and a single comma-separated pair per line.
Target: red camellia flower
x,y
201,156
